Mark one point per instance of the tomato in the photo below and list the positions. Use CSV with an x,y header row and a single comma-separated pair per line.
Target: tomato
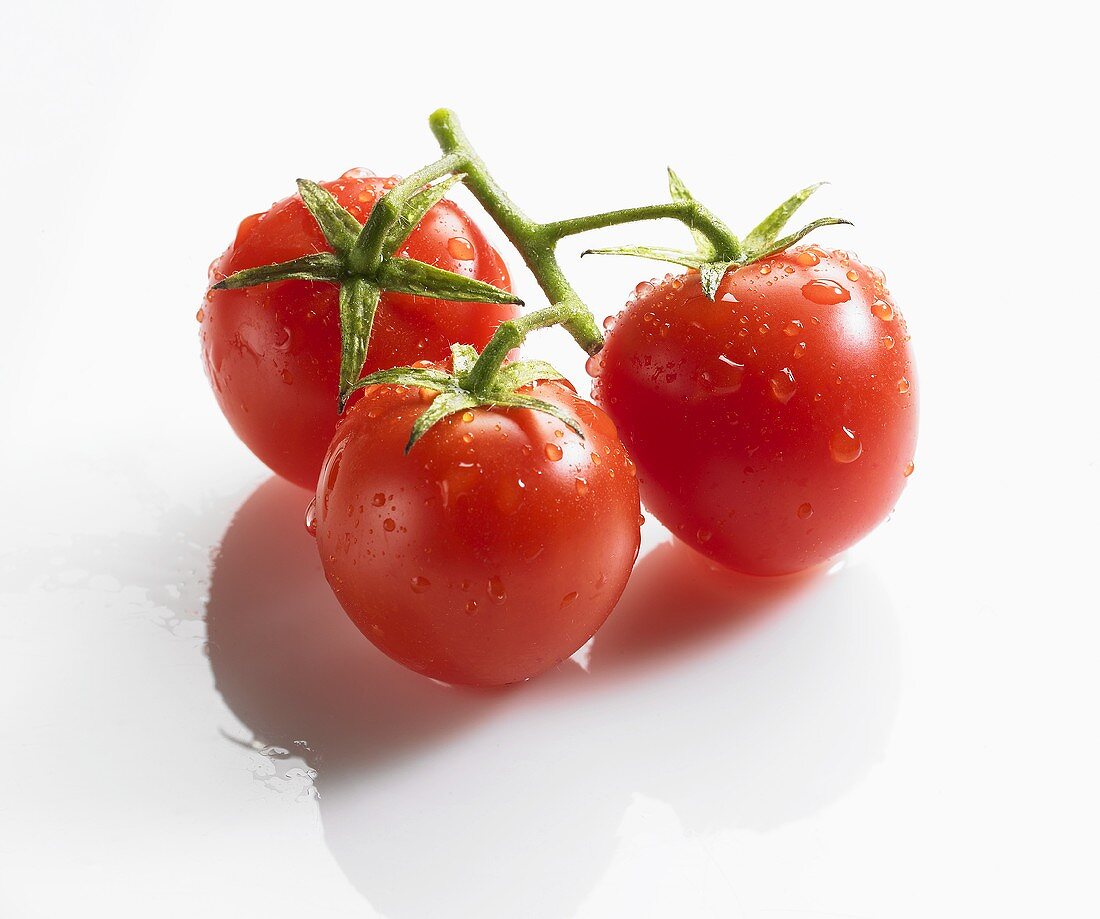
x,y
272,352
490,552
775,426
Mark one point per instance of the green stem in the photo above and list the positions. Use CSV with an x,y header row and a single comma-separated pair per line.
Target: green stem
x,y
510,334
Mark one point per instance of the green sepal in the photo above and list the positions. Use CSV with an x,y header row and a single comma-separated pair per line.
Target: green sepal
x,y
710,276
358,302
424,377
675,256
761,237
408,276
787,241
323,266
446,403
415,209
679,192
463,358
515,400
338,225
523,373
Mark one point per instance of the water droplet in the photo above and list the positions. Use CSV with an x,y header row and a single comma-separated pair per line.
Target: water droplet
x,y
641,520
845,446
379,499
311,517
883,310
806,259
783,385
643,290
467,438
765,269
282,340
471,607
805,510
568,598
908,471
609,323
887,342
420,584
287,376
903,386
582,486
799,350
467,417
677,284
358,172
460,248
200,315
852,275
596,459
496,589
593,366
792,328
553,452
703,535
825,292
389,525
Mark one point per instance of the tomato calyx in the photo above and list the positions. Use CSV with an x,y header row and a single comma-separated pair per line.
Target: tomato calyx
x,y
460,390
364,263
713,255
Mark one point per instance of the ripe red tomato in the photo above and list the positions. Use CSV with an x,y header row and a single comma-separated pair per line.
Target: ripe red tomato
x,y
490,552
775,426
272,352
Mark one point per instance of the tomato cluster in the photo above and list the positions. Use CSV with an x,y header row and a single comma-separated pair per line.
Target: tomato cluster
x,y
476,518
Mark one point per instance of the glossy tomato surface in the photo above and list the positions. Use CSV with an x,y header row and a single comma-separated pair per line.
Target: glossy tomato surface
x,y
272,352
490,552
775,426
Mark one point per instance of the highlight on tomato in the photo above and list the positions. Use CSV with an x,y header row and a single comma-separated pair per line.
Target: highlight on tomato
x,y
477,528
303,288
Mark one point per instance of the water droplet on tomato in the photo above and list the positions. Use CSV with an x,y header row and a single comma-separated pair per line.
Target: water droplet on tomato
x,y
703,535
908,471
379,499
287,376
358,172
460,248
553,452
765,269
792,328
593,366
467,438
882,310
609,322
568,598
783,385
903,386
825,292
495,589
282,339
467,417
887,342
419,584
311,517
389,524
852,275
200,315
471,607
676,284
804,510
806,258
582,486
845,446
644,289
596,459
799,350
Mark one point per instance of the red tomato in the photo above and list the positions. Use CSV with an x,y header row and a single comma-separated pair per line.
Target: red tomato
x,y
490,552
272,352
775,426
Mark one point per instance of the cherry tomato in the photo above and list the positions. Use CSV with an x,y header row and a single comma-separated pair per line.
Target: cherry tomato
x,y
272,352
775,426
490,552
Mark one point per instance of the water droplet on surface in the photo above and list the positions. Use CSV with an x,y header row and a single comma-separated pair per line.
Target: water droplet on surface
x,y
379,499
783,385
389,525
677,284
792,328
495,589
593,366
419,584
582,486
703,535
908,471
903,386
805,510
806,259
882,310
553,452
467,417
887,342
287,376
471,607
765,269
643,289
824,292
852,275
358,172
311,517
799,350
460,248
845,446
200,315
609,323
568,598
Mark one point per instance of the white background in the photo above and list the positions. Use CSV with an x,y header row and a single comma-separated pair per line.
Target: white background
x,y
913,735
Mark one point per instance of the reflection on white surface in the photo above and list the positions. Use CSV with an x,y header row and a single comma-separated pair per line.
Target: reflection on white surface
x,y
739,703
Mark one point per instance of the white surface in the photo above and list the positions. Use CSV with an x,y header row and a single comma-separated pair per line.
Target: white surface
x,y
912,735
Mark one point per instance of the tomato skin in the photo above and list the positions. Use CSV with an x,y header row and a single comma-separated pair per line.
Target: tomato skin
x,y
272,352
735,411
481,557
